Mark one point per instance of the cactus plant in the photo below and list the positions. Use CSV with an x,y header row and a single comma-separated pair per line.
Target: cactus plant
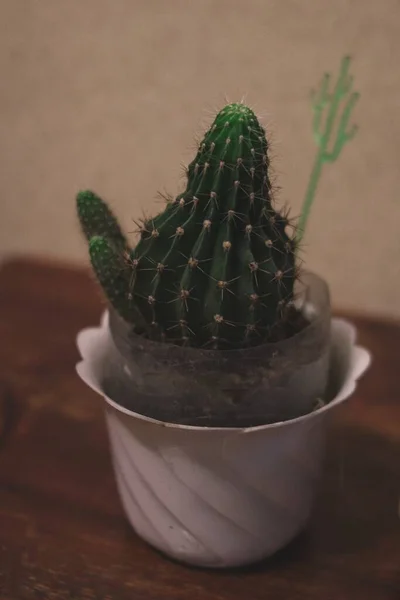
x,y
217,267
217,270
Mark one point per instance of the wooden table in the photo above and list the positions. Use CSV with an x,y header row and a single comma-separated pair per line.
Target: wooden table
x,y
63,534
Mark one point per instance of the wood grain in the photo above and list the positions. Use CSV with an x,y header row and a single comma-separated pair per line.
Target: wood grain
x,y
63,534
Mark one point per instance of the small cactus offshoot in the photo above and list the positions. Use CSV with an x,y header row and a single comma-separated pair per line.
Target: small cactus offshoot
x,y
216,268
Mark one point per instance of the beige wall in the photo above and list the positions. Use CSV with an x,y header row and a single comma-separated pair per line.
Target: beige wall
x,y
108,94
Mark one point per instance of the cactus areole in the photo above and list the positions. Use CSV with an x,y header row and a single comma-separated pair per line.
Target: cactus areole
x,y
216,268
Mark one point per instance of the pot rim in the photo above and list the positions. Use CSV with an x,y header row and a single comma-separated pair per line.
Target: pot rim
x,y
359,359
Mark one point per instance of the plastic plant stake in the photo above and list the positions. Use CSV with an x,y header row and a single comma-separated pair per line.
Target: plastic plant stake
x,y
321,100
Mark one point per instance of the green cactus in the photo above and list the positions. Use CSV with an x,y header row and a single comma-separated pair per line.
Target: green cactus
x,y
97,219
216,267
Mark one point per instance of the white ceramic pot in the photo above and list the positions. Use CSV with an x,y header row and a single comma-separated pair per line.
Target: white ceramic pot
x,y
217,497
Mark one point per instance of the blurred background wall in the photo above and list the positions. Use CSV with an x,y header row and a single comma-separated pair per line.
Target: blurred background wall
x,y
109,95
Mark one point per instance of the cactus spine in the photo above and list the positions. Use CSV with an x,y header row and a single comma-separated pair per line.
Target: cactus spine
x,y
217,267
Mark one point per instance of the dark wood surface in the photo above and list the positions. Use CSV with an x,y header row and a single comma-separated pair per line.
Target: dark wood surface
x,y
63,534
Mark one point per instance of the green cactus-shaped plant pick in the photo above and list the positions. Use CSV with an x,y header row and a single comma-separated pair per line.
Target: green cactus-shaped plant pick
x,y
216,267
321,100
